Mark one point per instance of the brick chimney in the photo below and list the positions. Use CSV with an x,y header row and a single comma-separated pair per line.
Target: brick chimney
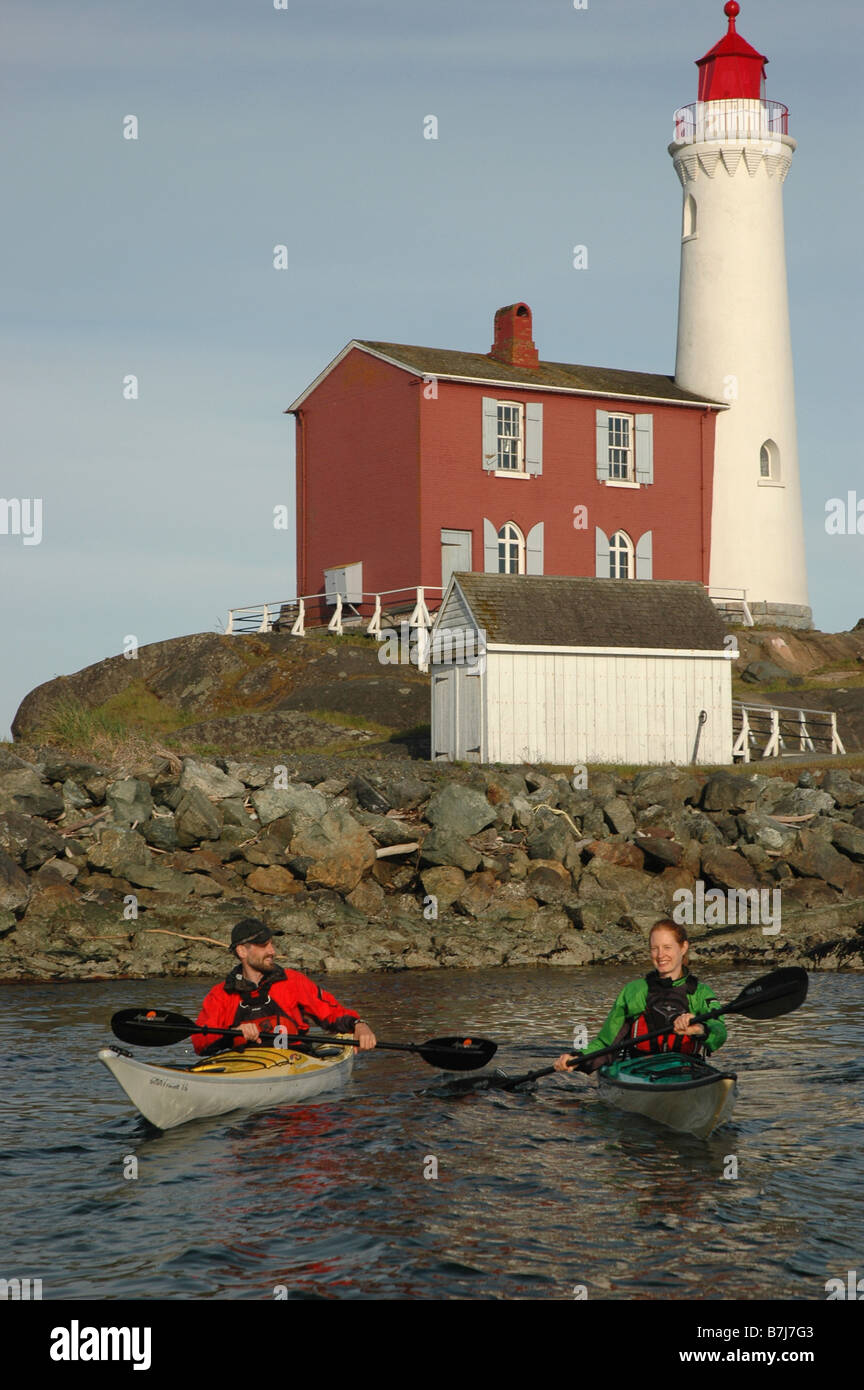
x,y
513,343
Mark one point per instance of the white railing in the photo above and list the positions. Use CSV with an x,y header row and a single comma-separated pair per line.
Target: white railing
x,y
772,731
744,119
414,604
731,601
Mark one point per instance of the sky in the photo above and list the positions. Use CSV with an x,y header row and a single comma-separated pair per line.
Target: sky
x,y
302,126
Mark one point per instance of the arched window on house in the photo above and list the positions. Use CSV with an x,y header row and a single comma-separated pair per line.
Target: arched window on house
x,y
621,564
511,549
769,462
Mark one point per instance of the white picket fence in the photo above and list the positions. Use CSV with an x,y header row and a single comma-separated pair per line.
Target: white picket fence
x,y
374,613
777,731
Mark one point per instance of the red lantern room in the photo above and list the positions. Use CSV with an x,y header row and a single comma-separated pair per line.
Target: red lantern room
x,y
732,68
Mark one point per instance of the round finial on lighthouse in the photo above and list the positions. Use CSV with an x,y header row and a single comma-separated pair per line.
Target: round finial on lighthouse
x,y
731,8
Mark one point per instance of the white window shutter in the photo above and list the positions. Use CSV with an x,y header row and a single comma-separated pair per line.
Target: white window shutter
x,y
603,565
534,438
490,433
490,548
644,448
644,556
534,550
602,445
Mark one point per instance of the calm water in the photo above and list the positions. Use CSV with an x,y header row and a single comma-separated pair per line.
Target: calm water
x,y
535,1193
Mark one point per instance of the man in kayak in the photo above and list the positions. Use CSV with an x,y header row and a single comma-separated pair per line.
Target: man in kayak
x,y
257,995
667,997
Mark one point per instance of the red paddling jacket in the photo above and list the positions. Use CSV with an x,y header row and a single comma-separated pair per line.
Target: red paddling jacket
x,y
282,996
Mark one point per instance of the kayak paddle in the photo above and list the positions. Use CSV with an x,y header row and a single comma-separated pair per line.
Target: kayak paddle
x,y
768,997
154,1028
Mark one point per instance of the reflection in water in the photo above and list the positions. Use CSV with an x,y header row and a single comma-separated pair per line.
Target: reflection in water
x,y
535,1192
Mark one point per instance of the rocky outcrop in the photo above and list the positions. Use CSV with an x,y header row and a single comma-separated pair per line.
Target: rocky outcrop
x,y
141,871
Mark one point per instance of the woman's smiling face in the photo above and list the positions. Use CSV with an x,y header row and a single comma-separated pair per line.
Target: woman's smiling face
x,y
668,954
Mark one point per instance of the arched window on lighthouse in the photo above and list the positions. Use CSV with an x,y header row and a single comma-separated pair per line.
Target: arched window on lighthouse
x,y
769,462
511,549
621,557
689,226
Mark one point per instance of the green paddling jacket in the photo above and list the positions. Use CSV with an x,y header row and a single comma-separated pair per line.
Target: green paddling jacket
x,y
631,1003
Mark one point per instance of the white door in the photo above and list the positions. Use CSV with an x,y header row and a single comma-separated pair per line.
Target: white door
x,y
444,715
455,554
470,735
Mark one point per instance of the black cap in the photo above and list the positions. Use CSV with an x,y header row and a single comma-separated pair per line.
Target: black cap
x,y
251,932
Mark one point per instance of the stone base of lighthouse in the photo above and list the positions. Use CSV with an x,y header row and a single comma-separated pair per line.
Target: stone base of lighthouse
x,y
782,615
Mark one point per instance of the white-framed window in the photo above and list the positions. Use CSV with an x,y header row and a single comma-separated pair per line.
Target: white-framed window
x,y
511,437
511,549
769,462
621,564
622,465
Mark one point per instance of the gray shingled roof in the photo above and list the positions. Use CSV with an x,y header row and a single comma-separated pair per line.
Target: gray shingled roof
x,y
562,611
475,366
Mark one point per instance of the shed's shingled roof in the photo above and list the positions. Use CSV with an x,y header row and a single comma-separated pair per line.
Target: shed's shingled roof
x,y
562,611
567,376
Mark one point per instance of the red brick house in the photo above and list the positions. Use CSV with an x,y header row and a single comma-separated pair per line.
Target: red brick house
x,y
414,462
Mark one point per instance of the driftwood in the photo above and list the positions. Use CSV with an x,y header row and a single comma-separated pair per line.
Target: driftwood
x,y
397,849
163,931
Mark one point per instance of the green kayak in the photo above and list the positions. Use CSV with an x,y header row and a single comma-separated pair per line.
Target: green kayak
x,y
674,1089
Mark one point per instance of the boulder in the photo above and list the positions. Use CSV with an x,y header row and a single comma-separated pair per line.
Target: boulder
x,y
159,831
119,850
160,877
840,786
75,797
211,780
251,774
130,801
549,882
370,796
849,839
459,811
660,852
664,786
367,897
550,836
476,894
299,801
444,883
272,880
622,852
619,816
756,672
727,868
234,813
817,859
444,847
22,790
804,801
724,791
197,819
760,829
340,848
15,888
29,840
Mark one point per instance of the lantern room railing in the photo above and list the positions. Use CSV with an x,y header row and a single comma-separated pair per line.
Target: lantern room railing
x,y
731,120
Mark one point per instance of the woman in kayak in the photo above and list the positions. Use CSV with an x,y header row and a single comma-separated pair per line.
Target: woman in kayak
x,y
667,997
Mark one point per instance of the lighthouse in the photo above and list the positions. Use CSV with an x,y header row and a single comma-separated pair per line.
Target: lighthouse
x,y
732,151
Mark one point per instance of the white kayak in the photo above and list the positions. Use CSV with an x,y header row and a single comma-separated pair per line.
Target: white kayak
x,y
254,1079
677,1090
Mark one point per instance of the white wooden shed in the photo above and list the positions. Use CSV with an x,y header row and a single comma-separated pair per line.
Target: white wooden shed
x,y
554,669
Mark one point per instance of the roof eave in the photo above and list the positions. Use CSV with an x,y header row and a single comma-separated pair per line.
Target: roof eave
x,y
699,404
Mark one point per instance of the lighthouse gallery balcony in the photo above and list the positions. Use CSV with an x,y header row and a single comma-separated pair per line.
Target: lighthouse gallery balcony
x,y
732,119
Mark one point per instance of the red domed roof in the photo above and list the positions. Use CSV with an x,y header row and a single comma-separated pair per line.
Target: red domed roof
x,y
732,68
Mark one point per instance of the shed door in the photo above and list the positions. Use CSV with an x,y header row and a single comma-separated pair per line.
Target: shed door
x,y
455,554
444,715
470,725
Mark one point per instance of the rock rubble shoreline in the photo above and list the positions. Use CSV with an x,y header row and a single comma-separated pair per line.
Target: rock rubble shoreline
x,y
375,865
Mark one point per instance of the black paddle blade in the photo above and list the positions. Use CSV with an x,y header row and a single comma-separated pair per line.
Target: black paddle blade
x,y
151,1027
772,995
458,1054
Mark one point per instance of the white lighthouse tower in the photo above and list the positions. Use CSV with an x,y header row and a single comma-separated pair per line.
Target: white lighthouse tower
x,y
732,152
